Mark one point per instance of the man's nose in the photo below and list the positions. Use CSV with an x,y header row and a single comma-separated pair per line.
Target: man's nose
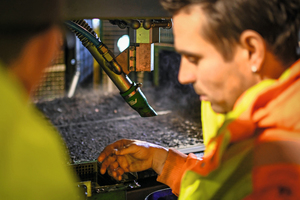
x,y
186,73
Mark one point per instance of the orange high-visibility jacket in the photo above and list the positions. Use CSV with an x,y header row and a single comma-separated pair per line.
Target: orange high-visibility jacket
x,y
254,155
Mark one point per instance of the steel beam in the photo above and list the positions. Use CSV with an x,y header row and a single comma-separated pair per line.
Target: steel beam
x,y
114,9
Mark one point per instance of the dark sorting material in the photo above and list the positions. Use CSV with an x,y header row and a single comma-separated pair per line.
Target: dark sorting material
x,y
91,120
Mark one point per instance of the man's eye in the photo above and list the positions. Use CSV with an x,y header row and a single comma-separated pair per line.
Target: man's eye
x,y
193,59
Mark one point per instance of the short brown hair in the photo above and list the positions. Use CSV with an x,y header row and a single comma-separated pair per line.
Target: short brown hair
x,y
277,21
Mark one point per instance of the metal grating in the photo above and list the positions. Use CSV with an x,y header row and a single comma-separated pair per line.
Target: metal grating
x,y
52,84
166,36
87,171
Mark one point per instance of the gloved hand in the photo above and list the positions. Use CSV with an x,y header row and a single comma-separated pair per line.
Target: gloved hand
x,y
131,156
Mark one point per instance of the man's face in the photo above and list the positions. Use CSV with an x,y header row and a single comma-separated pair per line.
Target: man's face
x,y
214,79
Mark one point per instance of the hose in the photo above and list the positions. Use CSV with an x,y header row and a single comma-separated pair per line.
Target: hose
x,y
129,90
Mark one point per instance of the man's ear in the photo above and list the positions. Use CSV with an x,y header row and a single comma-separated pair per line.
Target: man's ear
x,y
256,47
36,55
44,47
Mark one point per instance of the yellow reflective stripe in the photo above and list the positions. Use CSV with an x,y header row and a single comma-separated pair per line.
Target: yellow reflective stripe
x,y
247,98
244,168
285,74
195,186
294,69
190,186
211,121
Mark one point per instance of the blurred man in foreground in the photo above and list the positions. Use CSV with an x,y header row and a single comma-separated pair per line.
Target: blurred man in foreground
x,y
33,156
241,57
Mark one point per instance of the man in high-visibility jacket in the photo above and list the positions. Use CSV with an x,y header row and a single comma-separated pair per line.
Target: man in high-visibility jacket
x,y
33,156
241,57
